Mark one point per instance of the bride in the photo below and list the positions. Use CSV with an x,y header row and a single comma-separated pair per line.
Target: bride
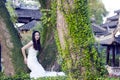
x,y
31,60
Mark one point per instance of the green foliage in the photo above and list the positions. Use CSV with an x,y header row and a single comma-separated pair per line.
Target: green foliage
x,y
16,51
47,35
45,22
97,10
24,76
80,58
11,11
49,55
43,3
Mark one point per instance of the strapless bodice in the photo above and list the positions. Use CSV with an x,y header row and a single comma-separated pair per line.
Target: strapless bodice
x,y
32,52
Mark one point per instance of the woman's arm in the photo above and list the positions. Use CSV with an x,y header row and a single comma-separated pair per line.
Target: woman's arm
x,y
23,50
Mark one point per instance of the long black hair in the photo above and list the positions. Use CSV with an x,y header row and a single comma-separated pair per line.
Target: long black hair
x,y
36,44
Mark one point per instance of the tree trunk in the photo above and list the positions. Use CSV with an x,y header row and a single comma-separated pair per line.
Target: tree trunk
x,y
10,44
49,53
6,45
75,37
61,27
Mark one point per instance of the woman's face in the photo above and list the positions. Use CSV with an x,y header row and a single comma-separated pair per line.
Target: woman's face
x,y
37,36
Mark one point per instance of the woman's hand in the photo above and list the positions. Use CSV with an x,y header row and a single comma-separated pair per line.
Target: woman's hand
x,y
25,60
23,50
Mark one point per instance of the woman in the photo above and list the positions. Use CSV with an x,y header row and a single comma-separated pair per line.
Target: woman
x,y
31,60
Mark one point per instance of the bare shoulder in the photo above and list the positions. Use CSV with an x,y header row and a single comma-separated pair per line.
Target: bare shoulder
x,y
29,44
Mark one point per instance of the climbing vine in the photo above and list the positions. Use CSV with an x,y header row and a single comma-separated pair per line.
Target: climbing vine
x,y
80,59
48,19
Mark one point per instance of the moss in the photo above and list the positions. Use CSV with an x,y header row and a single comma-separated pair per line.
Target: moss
x,y
50,53
25,76
47,35
80,50
16,51
81,44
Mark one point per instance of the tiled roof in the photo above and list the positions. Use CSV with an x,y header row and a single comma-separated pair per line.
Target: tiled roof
x,y
108,39
34,14
115,17
97,28
105,40
117,11
117,35
28,26
117,39
110,24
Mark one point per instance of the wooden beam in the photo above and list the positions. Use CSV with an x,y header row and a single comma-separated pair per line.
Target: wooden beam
x,y
113,55
108,54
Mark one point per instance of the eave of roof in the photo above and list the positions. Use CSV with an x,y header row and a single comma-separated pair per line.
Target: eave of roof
x,y
107,40
115,17
110,24
117,11
28,26
34,14
97,28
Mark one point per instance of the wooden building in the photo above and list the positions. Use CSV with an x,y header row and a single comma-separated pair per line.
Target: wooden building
x,y
108,35
27,26
27,15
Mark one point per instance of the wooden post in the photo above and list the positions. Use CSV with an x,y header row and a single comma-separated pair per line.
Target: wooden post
x,y
113,55
108,54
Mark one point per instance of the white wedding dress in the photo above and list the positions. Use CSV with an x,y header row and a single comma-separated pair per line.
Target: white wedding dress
x,y
36,68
